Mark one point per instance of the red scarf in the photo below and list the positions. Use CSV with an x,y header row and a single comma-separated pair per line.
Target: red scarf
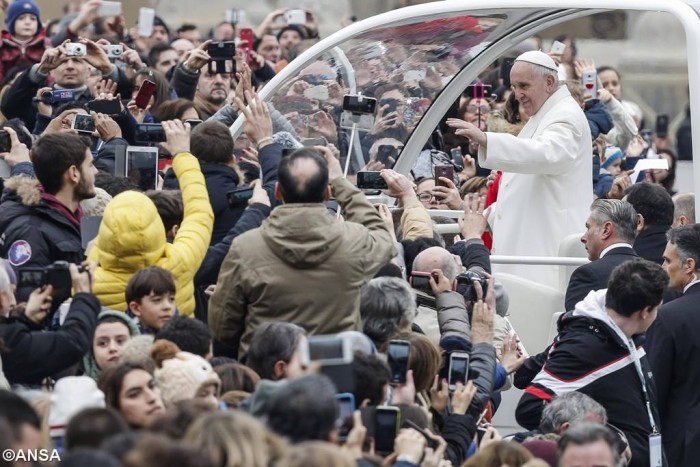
x,y
55,204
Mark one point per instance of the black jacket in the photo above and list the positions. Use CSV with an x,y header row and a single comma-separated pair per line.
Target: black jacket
x,y
34,234
35,354
221,179
673,350
651,243
590,357
595,275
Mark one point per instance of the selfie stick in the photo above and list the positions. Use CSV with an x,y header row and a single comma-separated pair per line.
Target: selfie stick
x,y
353,132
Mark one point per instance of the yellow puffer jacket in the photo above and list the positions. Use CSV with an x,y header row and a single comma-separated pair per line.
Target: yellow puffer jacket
x,y
132,237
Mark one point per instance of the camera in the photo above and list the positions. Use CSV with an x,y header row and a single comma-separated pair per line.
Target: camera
x,y
60,96
466,280
114,51
75,49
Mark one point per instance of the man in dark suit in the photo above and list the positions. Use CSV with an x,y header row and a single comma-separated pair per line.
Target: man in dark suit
x,y
673,349
610,230
654,208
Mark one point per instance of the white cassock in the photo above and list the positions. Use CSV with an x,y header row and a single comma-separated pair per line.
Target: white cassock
x,y
546,189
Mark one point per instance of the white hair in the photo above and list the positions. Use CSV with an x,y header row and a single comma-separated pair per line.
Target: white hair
x,y
539,70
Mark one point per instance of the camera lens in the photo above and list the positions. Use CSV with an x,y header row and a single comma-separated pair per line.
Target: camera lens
x,y
47,97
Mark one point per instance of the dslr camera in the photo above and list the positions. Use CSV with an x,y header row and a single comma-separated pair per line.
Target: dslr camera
x,y
74,49
465,284
56,274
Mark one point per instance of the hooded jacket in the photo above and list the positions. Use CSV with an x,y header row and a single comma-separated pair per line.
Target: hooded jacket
x,y
32,234
591,355
132,237
302,266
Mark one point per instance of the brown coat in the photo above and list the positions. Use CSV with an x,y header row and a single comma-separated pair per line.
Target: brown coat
x,y
302,266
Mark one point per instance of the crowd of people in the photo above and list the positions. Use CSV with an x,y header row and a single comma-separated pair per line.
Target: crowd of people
x,y
253,307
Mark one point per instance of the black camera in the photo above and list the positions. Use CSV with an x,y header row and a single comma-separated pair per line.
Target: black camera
x,y
465,284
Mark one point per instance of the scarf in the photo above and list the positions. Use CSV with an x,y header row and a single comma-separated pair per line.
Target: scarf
x,y
56,205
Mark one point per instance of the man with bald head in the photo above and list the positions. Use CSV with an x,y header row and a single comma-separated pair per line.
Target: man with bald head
x,y
546,186
303,265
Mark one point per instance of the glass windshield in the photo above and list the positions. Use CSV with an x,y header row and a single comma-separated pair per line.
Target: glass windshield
x,y
403,66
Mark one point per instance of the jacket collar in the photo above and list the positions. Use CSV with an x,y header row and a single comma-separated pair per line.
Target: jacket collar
x,y
531,126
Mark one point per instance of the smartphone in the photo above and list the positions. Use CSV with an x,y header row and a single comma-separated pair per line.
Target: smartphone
x,y
457,158
107,9
557,48
421,281
142,166
326,349
387,421
295,16
346,408
371,181
148,133
459,369
662,125
239,197
446,171
146,91
478,91
234,16
589,79
5,141
409,424
112,107
414,75
193,122
506,66
386,152
397,357
247,37
222,50
359,104
145,24
311,142
480,432
83,123
89,226
5,170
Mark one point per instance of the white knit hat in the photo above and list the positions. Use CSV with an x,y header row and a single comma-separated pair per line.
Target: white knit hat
x,y
181,377
538,58
71,395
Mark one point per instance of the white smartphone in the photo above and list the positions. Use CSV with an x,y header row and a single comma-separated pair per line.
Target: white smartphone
x,y
146,17
235,16
142,166
589,80
414,75
327,349
557,48
295,16
459,370
5,170
107,9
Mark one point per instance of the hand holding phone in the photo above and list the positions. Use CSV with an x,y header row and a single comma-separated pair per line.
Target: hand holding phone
x,y
146,91
371,181
444,171
398,358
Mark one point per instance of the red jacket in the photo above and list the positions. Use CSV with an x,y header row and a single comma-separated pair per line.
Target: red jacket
x,y
13,53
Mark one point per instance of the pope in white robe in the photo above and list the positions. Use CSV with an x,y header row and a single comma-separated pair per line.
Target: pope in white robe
x,y
546,189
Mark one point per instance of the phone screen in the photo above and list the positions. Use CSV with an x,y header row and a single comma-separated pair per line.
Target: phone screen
x,y
371,181
83,123
398,360
326,349
662,126
352,104
30,278
459,370
239,197
149,133
386,151
142,168
386,422
5,141
346,407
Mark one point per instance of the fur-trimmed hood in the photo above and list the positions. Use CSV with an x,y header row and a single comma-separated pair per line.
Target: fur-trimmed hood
x,y
23,189
496,123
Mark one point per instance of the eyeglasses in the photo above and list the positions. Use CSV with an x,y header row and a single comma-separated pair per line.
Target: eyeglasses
x,y
426,196
472,109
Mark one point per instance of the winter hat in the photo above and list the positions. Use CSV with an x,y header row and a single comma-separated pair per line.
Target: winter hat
x,y
96,206
17,9
293,27
612,153
71,395
138,350
180,374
